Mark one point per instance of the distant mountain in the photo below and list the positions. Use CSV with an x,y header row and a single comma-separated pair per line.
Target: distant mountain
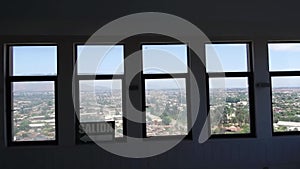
x,y
90,87
48,86
33,86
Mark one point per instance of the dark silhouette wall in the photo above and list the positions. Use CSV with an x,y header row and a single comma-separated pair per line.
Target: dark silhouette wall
x,y
224,20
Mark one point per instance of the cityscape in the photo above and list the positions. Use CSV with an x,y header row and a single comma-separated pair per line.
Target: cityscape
x,y
33,115
229,111
286,109
166,113
102,105
233,117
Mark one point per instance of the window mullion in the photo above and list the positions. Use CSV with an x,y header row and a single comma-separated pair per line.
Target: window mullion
x,y
134,90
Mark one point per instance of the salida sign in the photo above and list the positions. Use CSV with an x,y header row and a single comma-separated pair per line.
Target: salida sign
x,y
97,131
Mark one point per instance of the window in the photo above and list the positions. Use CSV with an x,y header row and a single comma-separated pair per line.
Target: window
x,y
165,71
31,85
162,88
100,72
230,89
284,70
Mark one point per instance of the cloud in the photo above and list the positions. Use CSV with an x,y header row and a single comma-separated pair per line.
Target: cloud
x,y
291,47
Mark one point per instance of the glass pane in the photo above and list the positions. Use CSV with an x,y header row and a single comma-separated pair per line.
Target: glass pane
x,y
34,60
166,112
164,59
284,56
33,109
101,101
229,105
226,57
100,59
285,99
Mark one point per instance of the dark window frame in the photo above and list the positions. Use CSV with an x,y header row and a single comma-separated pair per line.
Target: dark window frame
x,y
96,77
247,74
185,76
277,73
10,78
143,78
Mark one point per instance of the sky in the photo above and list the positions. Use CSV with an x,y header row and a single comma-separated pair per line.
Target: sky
x,y
226,57
233,82
284,57
164,58
105,59
178,83
34,60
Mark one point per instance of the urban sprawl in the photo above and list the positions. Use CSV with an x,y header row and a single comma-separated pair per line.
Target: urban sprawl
x,y
166,112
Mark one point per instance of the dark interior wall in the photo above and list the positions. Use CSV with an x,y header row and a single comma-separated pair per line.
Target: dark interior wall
x,y
221,20
214,17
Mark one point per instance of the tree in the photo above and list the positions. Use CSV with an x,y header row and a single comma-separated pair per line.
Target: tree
x,y
232,99
24,125
49,103
227,111
166,120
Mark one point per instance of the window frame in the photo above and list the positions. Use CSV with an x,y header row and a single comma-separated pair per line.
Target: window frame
x,y
250,77
285,73
97,77
143,78
10,79
185,76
